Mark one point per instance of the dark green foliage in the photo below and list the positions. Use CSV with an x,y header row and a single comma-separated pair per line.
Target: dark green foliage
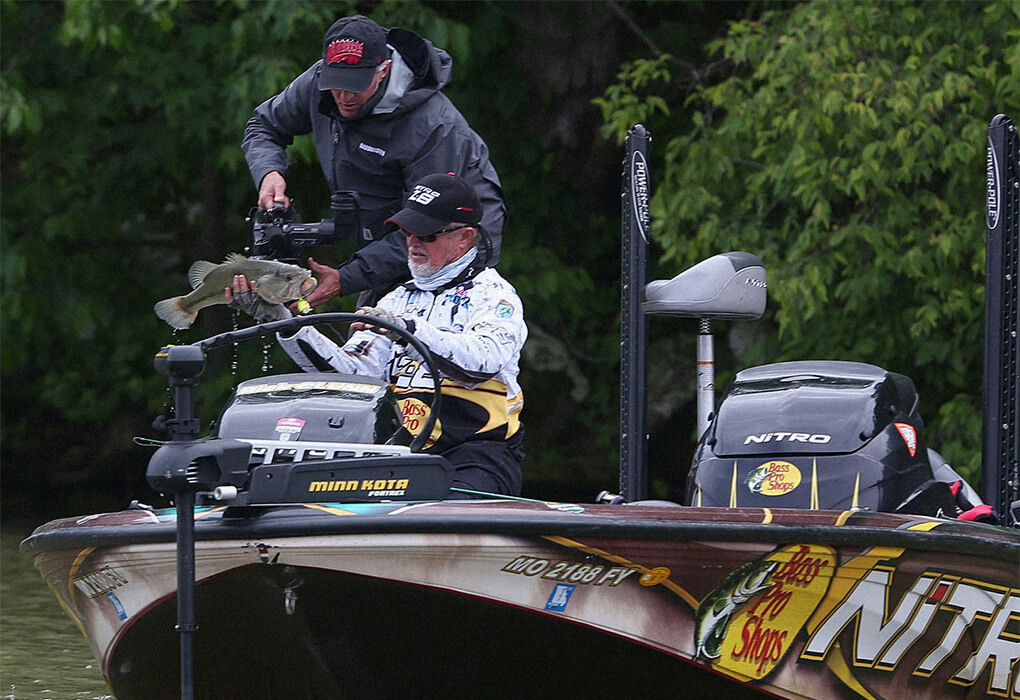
x,y
846,148
121,165
842,142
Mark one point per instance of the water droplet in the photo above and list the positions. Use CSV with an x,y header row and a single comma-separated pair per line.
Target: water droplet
x,y
267,365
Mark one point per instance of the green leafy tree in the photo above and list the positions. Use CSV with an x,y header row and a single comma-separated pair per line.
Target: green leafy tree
x,y
121,124
843,142
121,165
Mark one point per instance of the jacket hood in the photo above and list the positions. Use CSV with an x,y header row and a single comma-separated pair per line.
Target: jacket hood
x,y
419,71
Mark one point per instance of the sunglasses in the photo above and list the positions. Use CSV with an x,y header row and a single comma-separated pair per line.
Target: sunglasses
x,y
431,237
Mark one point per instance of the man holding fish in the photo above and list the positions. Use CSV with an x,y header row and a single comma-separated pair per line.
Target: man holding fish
x,y
466,314
380,122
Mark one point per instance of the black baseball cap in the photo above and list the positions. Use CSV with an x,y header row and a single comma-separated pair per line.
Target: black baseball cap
x,y
438,200
352,50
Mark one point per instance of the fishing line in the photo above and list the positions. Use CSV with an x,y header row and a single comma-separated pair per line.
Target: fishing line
x,y
566,507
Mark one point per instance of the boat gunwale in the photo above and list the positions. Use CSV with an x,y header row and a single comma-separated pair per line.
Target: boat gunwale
x,y
539,524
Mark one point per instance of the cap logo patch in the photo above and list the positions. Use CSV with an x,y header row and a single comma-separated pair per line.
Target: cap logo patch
x,y
422,194
345,51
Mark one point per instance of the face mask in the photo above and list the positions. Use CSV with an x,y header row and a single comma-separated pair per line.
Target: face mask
x,y
446,274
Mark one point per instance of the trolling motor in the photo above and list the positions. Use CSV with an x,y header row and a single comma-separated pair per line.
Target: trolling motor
x,y
185,466
278,233
218,467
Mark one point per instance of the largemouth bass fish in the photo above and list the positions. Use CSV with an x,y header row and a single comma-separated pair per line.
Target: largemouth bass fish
x,y
276,282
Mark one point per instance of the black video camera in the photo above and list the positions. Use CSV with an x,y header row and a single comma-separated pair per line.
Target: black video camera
x,y
278,233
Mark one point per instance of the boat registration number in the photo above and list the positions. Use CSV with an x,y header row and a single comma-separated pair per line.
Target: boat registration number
x,y
569,571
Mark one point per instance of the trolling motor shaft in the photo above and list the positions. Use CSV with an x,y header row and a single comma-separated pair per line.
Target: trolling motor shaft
x,y
185,466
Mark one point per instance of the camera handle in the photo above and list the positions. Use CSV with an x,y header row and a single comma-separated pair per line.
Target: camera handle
x,y
346,223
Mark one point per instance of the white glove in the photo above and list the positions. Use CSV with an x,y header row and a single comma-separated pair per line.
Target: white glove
x,y
384,315
258,308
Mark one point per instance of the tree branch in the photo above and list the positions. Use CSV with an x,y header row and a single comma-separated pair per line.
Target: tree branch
x,y
632,25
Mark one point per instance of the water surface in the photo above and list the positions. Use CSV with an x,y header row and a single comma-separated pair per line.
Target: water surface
x,y
43,656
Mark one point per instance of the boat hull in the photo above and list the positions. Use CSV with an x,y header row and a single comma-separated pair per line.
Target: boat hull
x,y
535,600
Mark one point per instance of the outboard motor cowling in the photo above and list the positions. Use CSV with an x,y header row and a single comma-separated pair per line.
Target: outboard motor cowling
x,y
818,435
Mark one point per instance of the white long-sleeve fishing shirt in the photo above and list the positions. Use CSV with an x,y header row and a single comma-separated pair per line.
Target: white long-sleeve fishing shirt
x,y
475,329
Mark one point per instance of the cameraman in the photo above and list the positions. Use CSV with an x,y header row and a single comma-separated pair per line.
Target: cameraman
x,y
380,123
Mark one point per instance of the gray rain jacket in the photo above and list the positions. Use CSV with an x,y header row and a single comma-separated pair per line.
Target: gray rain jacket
x,y
412,131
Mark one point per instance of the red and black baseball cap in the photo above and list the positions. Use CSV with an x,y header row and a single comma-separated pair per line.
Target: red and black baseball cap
x,y
353,48
438,200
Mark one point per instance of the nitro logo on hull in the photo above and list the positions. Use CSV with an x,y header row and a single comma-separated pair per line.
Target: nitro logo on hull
x,y
814,439
942,622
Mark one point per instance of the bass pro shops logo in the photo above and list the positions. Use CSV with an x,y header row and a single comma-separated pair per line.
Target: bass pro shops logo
x,y
746,626
774,478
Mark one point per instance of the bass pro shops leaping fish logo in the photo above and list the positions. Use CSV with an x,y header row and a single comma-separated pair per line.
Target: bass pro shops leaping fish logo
x,y
714,613
773,478
746,626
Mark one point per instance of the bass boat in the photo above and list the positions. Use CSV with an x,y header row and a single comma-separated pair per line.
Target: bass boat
x,y
822,549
